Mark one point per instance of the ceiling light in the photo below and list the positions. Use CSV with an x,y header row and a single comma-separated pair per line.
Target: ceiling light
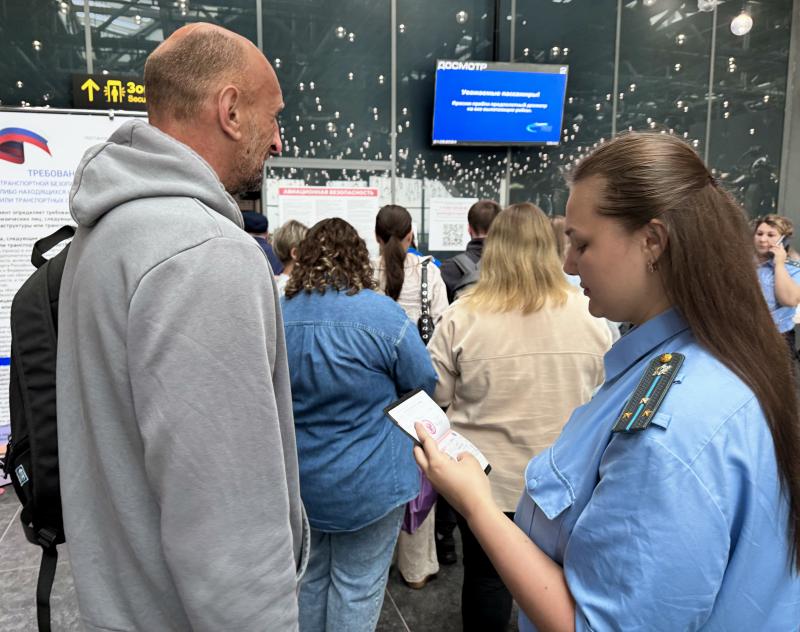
x,y
741,24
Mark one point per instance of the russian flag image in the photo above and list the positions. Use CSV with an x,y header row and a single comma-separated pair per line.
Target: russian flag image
x,y
12,143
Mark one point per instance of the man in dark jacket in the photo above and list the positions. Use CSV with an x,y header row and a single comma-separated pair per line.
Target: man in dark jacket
x,y
256,224
460,271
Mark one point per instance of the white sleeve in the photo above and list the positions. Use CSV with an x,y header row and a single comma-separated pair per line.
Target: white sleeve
x,y
438,292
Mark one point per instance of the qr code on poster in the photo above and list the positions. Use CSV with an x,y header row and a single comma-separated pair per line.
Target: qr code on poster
x,y
452,235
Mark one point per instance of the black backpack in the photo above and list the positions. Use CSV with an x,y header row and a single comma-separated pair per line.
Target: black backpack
x,y
470,273
32,454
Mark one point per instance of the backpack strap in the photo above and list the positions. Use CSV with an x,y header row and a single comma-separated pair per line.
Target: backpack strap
x,y
464,263
425,303
46,243
470,273
425,322
47,572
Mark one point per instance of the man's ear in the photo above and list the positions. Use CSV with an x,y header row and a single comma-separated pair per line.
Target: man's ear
x,y
229,112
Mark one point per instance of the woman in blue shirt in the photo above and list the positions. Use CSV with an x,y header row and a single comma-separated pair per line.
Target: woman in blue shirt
x,y
691,522
777,274
351,353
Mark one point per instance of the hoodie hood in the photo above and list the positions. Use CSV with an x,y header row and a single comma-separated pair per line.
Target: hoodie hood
x,y
140,161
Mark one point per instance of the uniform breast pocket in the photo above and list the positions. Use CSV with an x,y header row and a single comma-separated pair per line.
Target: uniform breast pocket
x,y
543,508
548,486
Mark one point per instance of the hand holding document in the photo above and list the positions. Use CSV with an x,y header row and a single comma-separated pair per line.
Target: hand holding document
x,y
418,407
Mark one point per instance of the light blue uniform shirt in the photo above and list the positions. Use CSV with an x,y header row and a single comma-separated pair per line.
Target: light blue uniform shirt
x,y
782,315
681,526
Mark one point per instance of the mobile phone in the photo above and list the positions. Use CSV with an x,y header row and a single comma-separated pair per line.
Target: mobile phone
x,y
781,242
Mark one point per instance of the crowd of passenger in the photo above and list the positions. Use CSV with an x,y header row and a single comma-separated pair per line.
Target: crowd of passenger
x,y
514,353
649,481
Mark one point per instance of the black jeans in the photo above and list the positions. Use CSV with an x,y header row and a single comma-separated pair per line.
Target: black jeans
x,y
485,600
789,337
445,519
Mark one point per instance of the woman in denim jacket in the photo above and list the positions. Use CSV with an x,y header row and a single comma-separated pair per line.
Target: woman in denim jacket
x,y
351,353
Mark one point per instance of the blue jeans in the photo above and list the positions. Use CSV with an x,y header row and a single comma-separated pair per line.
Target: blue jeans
x,y
343,588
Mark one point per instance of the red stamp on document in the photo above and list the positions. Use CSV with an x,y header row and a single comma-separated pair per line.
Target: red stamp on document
x,y
430,427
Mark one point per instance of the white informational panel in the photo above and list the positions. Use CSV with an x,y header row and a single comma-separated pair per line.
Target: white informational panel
x,y
447,223
407,193
39,152
356,205
270,186
346,184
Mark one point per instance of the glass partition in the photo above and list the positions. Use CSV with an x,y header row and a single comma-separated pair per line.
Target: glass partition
x,y
581,36
665,50
41,45
746,134
461,31
125,32
333,62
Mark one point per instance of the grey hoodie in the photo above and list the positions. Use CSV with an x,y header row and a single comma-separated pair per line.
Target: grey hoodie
x,y
177,452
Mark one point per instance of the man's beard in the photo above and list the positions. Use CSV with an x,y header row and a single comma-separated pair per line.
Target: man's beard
x,y
250,164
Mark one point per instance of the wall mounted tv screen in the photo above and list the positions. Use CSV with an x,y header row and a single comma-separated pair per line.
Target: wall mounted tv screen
x,y
498,103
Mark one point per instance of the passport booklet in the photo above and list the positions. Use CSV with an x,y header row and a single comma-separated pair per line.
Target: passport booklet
x,y
417,406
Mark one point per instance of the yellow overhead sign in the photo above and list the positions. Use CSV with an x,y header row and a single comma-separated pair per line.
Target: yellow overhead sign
x,y
91,87
104,92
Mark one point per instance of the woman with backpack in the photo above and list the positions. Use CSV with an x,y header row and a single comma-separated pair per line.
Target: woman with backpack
x,y
416,284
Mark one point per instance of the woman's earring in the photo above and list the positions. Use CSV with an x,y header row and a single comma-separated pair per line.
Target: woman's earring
x,y
651,267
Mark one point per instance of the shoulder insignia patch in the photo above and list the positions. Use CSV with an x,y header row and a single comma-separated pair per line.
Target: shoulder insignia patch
x,y
643,404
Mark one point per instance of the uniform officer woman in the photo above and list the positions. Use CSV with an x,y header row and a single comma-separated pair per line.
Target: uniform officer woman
x,y
777,274
692,522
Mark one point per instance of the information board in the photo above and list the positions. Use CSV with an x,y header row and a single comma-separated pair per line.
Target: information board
x,y
447,223
498,103
356,205
39,152
108,92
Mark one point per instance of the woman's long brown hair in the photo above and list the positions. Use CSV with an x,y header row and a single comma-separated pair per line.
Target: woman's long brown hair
x,y
709,273
392,224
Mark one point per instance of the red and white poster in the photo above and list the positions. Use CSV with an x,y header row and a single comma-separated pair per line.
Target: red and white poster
x,y
356,205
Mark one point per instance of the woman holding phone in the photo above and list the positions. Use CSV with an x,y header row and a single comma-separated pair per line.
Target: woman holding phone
x,y
777,274
671,501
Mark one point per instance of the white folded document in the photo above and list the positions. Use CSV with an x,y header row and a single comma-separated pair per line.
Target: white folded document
x,y
417,406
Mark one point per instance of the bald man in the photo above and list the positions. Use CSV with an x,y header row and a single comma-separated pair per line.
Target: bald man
x,y
178,463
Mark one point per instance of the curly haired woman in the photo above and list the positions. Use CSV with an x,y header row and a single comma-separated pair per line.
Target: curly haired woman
x,y
351,353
